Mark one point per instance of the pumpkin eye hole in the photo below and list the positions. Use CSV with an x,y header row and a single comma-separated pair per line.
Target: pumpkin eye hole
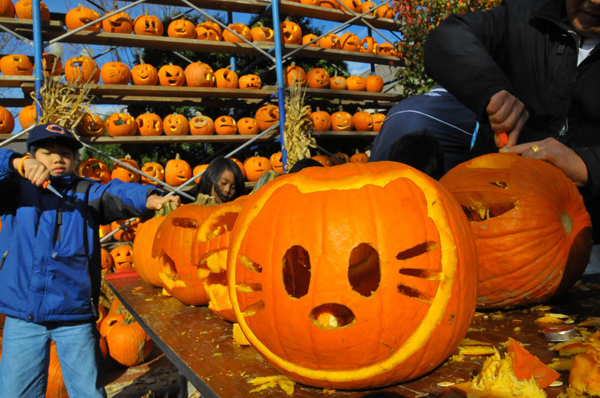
x,y
364,271
296,271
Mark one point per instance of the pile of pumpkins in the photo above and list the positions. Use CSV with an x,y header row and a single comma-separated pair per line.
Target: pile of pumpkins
x,y
356,6
345,121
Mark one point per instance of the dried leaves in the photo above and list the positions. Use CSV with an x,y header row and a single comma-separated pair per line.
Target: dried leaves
x,y
298,126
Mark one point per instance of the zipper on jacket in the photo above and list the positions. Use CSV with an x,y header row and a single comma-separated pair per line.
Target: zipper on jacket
x,y
3,259
58,224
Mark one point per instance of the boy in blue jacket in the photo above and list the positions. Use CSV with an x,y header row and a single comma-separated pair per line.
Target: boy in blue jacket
x,y
50,262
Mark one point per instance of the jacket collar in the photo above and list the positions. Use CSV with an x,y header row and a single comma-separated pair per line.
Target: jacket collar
x,y
555,12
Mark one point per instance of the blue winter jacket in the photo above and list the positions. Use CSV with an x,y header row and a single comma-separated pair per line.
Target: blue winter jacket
x,y
49,247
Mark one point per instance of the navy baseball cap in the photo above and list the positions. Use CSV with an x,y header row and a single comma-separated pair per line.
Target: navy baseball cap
x,y
52,130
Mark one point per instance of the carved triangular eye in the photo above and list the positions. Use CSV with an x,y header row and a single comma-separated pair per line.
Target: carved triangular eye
x,y
296,271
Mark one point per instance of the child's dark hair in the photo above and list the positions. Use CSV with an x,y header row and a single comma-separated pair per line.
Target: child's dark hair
x,y
420,150
210,178
304,163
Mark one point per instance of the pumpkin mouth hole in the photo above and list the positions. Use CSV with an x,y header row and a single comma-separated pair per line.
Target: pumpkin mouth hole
x,y
417,250
332,316
296,271
478,212
364,272
222,224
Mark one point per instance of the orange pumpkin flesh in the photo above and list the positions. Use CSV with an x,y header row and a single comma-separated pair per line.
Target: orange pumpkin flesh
x,y
331,303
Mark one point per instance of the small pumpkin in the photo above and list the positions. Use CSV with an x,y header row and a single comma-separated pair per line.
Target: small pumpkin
x,y
225,125
149,124
144,75
318,78
7,9
119,172
335,159
16,65
374,84
177,171
356,83
256,166
122,255
24,11
155,170
77,17
52,65
240,29
359,157
28,116
291,33
368,6
262,33
342,121
106,260
241,166
121,125
368,45
148,25
354,5
266,116
82,70
226,78
197,170
330,4
385,11
91,126
250,82
209,30
201,125
295,75
200,74
7,121
171,76
363,121
95,169
349,42
128,343
338,83
176,124
330,41
308,38
119,23
247,126
386,49
182,29
321,120
323,159
378,119
115,73
276,160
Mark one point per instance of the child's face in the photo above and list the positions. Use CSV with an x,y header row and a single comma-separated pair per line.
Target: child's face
x,y
60,160
226,185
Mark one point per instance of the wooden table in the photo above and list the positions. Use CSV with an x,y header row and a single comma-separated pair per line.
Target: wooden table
x,y
200,344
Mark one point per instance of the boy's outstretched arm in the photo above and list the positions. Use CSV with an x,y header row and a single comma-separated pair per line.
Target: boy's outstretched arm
x,y
155,202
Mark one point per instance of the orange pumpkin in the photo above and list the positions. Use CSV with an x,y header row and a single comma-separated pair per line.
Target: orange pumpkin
x,y
115,73
295,75
368,45
349,42
182,29
338,83
201,125
256,166
356,83
330,41
16,65
226,78
197,170
329,4
125,234
262,33
121,125
386,49
276,160
119,23
368,6
171,76
241,166
95,169
77,17
291,33
127,342
318,78
149,124
148,25
91,126
55,387
24,11
266,116
241,30
378,119
374,84
385,11
247,126
308,38
310,2
359,157
144,75
250,82
121,173
107,261
82,70
335,159
363,121
342,121
7,9
354,5
323,159
177,171
225,125
52,65
147,266
155,170
176,124
199,74
7,121
209,30
28,116
321,120
122,256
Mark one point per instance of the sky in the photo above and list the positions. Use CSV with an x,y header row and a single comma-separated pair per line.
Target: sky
x,y
62,6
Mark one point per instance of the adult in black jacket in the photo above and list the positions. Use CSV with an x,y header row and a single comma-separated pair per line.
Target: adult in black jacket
x,y
530,68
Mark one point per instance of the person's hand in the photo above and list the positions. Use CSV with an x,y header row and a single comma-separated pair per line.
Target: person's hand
x,y
507,114
556,153
34,170
155,202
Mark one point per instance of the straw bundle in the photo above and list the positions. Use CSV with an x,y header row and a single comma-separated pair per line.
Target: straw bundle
x,y
298,126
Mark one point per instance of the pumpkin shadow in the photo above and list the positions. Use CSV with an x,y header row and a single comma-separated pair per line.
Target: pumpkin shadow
x,y
383,394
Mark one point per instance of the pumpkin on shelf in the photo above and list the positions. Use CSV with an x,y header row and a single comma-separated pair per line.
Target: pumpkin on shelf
x,y
262,33
82,70
7,9
276,160
226,78
507,197
310,2
208,31
27,116
374,84
201,125
330,4
176,124
199,74
24,11
349,42
115,73
181,29
363,121
240,29
308,38
16,65
122,254
119,23
104,230
318,78
338,83
291,32
356,83
128,343
354,5
323,290
177,171
266,116
121,125
378,119
321,120
385,11
359,157
155,170
171,76
247,126
241,166
342,121
7,121
386,49
323,159
149,124
339,158
95,169
148,25
250,82
77,17
330,41
368,45
91,125
197,170
256,166
51,64
121,173
144,75
106,260
368,6
225,125
295,75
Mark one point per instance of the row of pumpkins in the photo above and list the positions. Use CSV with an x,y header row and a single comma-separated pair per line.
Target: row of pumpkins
x,y
376,280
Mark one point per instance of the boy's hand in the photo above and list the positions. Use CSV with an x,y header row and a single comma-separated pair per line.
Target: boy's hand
x,y
155,202
33,170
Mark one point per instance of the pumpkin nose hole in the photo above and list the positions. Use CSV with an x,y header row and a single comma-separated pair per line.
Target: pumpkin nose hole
x,y
364,273
296,271
480,211
332,316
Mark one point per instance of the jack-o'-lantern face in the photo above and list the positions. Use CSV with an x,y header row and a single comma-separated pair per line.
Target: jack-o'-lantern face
x,y
123,257
177,172
291,32
267,116
16,64
368,45
171,75
80,16
225,125
148,25
121,124
7,121
310,37
52,65
276,160
149,124
182,29
321,120
356,83
176,124
247,126
295,75
256,166
24,10
330,40
91,126
349,42
378,119
118,23
124,232
386,49
333,303
115,73
144,75
121,173
342,121
318,78
338,83
82,70
239,28
202,33
155,170
201,125
262,33
252,82
95,169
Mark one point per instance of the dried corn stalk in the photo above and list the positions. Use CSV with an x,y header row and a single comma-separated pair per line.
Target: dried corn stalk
x,y
298,126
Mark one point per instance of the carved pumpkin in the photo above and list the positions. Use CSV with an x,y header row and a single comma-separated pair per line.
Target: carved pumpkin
x,y
291,33
16,65
247,126
24,11
148,25
209,30
147,266
295,75
121,173
262,33
27,116
115,73
330,4
342,121
354,5
250,82
256,166
107,261
95,169
310,2
349,42
77,17
104,230
341,156
310,37
267,116
385,11
241,30
226,78
177,171
225,125
378,119
7,121
149,124
55,387
119,23
330,41
7,9
127,342
171,76
155,170
144,75
318,78
338,83
386,49
323,159
91,126
121,125
507,197
321,120
374,84
82,70
276,160
363,121
356,83
122,256
199,74
197,170
52,65
182,29
201,125
368,45
359,157
176,124
353,309
367,6
241,166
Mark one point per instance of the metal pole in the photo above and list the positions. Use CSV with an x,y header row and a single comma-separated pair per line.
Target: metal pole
x,y
18,36
230,21
280,81
37,56
15,136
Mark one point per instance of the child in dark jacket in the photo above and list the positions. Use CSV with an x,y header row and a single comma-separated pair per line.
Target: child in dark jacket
x,y
50,265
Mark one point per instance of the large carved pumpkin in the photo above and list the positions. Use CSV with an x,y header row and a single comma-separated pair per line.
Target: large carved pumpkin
x,y
240,29
208,31
147,266
176,124
355,308
291,33
266,116
201,125
532,231
250,82
82,70
182,29
318,78
77,17
256,166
